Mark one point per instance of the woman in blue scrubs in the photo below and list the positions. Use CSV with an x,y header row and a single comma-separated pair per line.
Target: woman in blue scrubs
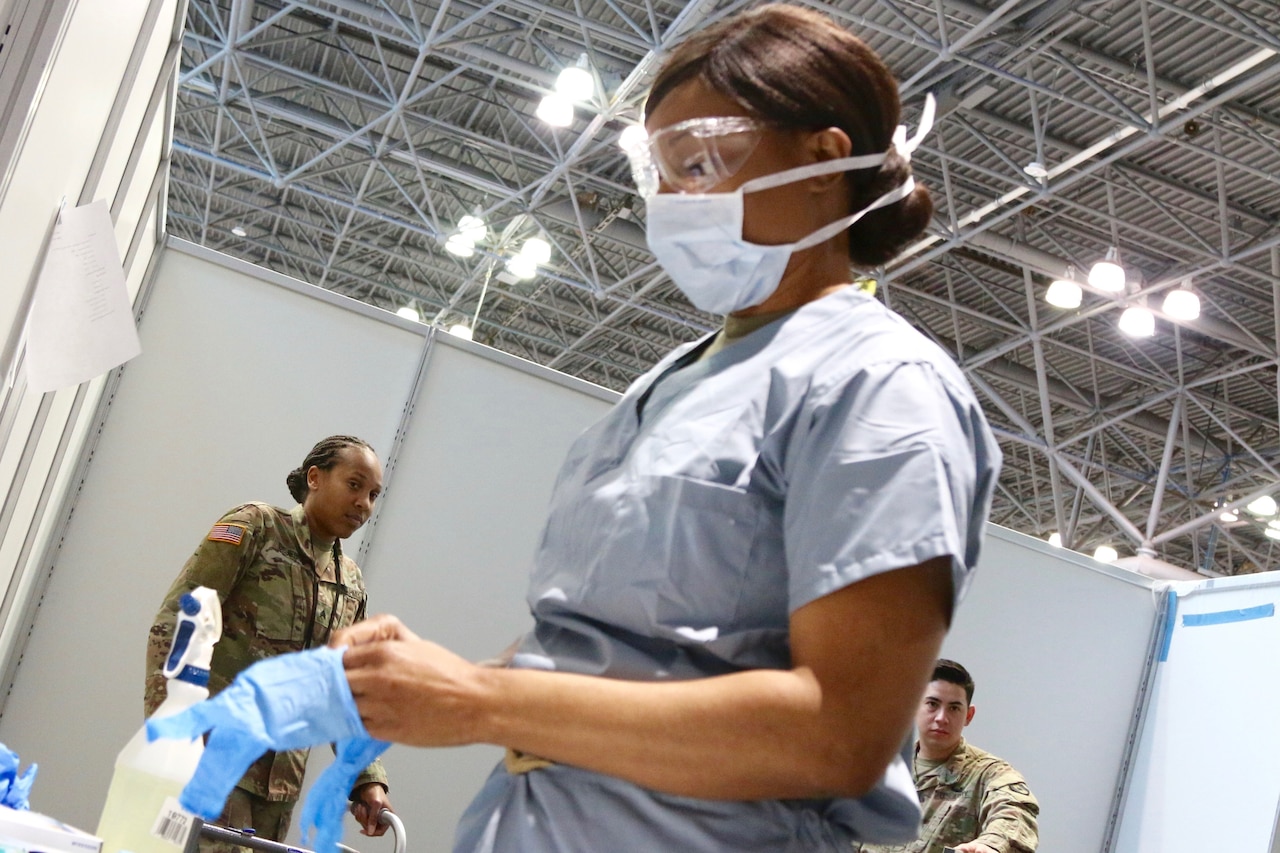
x,y
750,564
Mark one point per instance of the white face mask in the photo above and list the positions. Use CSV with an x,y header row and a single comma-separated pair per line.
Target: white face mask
x,y
697,238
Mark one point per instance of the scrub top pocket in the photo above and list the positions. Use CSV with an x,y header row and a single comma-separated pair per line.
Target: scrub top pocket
x,y
696,542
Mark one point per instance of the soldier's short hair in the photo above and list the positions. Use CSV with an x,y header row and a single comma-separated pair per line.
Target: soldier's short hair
x,y
952,672
323,456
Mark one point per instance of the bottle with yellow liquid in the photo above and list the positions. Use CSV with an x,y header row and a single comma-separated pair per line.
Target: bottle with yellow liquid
x,y
141,814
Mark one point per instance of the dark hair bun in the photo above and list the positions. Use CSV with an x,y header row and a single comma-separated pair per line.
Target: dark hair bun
x,y
297,483
878,237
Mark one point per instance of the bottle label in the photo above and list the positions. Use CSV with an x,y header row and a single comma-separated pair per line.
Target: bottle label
x,y
173,824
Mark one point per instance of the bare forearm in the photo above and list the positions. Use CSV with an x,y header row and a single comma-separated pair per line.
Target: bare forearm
x,y
757,734
829,726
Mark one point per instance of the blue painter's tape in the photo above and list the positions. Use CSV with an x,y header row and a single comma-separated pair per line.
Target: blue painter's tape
x,y
1170,619
1262,611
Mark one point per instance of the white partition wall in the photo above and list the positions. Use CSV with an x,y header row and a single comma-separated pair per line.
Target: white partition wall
x,y
85,90
1206,776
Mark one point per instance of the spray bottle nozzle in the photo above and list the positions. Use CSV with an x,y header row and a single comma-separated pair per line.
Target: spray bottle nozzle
x,y
199,627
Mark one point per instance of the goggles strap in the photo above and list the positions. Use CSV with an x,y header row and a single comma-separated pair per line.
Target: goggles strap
x,y
799,173
906,147
901,144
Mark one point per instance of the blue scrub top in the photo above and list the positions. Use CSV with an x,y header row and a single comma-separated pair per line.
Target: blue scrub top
x,y
718,496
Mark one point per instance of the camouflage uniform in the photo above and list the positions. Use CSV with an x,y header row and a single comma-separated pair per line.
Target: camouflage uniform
x,y
972,796
260,560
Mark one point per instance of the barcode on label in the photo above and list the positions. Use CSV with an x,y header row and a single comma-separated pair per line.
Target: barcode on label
x,y
173,823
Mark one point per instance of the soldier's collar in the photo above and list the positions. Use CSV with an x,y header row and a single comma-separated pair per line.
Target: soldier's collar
x,y
947,772
303,532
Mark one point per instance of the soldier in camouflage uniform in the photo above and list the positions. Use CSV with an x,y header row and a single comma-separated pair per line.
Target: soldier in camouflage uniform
x,y
285,585
973,802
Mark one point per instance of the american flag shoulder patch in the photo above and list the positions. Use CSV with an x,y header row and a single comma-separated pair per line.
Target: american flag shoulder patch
x,y
230,533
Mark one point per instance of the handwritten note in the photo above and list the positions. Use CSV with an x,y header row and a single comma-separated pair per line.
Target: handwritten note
x,y
81,321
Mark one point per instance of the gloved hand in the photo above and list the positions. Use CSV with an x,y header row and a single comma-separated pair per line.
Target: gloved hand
x,y
291,701
14,789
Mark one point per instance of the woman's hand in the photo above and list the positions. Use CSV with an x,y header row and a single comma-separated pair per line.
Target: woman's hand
x,y
409,690
367,803
384,626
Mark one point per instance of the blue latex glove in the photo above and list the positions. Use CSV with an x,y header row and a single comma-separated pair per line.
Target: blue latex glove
x,y
292,701
327,800
14,789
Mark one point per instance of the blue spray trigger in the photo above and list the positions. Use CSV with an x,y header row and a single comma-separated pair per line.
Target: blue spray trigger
x,y
181,638
190,606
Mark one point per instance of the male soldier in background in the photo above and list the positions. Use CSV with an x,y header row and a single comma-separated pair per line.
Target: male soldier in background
x,y
973,802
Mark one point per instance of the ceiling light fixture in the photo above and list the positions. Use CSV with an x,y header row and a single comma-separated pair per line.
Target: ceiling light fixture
x,y
1271,533
471,230
1227,516
460,330
1182,303
522,267
1036,170
1137,322
575,81
537,249
532,254
238,231
1107,274
408,312
1263,507
1105,554
556,110
1064,292
459,246
1055,539
633,136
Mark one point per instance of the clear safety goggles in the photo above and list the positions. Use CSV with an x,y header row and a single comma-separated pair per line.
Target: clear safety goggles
x,y
692,156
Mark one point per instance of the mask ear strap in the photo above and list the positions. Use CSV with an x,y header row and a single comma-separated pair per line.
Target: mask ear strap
x,y
828,231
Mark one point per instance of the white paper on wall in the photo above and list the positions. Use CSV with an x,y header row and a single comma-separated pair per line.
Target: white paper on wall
x,y
81,321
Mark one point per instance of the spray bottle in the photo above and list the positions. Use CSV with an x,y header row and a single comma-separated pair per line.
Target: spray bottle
x,y
141,814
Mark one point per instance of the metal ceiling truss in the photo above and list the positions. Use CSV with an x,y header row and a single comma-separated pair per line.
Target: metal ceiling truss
x,y
346,139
